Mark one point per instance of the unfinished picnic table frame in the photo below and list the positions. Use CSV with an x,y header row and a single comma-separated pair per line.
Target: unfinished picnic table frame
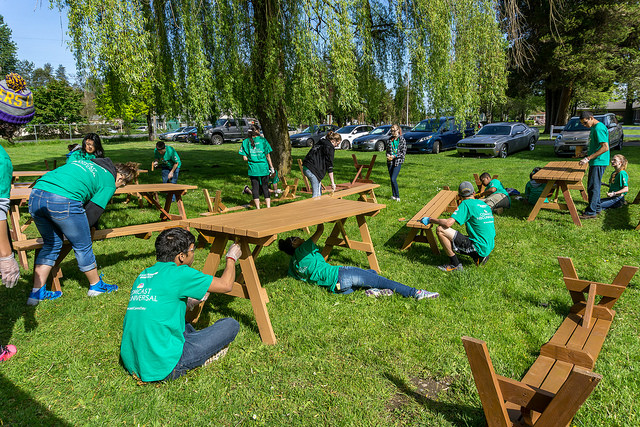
x,y
261,227
445,201
564,176
358,178
149,193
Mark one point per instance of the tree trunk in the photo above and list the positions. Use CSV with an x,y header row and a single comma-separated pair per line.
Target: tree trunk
x,y
557,106
628,108
150,128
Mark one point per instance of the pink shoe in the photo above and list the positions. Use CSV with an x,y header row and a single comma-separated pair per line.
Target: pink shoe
x,y
7,351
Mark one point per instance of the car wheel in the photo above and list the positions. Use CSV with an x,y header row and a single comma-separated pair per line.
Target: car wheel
x,y
532,144
309,142
345,145
436,147
504,151
217,139
379,146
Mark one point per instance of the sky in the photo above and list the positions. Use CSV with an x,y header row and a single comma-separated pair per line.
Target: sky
x,y
40,33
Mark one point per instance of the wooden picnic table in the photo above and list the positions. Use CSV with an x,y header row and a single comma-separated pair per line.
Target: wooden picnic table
x,y
21,174
261,227
149,193
564,176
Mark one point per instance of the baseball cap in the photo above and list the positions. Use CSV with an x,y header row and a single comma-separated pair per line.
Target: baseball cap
x,y
466,189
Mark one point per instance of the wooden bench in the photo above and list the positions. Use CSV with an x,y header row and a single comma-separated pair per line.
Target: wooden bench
x,y
142,231
560,379
363,167
445,201
215,205
289,190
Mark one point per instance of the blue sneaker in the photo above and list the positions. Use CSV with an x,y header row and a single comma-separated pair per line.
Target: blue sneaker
x,y
41,295
422,294
100,288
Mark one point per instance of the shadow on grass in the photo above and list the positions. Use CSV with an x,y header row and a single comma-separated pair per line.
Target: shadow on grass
x,y
455,414
19,408
617,219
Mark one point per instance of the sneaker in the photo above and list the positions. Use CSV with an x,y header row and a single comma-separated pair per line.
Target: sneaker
x,y
7,351
218,355
587,216
41,295
100,288
246,190
375,292
482,260
394,198
397,199
449,267
422,294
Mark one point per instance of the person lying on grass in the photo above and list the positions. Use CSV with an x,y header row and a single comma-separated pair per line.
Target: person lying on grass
x,y
308,264
157,343
477,215
496,196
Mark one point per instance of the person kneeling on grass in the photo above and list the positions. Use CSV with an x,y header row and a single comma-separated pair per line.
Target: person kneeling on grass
x,y
157,343
478,218
308,264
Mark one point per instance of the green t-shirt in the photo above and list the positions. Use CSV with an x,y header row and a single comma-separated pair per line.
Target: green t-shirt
x,y
82,180
597,136
499,188
618,182
258,164
477,215
169,159
308,264
533,190
6,174
153,328
79,155
394,147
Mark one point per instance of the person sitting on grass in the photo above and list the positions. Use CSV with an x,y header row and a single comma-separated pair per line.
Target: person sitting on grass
x,y
167,158
533,189
308,264
618,184
478,218
495,194
157,343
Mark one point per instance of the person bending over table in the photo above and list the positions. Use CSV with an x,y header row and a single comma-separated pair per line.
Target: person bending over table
x,y
308,264
598,159
495,194
91,148
319,161
67,202
13,115
478,218
157,344
167,158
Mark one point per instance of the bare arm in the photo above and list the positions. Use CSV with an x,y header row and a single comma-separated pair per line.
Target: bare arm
x,y
224,283
318,233
333,183
443,222
269,161
604,146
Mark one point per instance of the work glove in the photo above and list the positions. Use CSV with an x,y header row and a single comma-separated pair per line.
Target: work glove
x,y
426,220
234,252
9,270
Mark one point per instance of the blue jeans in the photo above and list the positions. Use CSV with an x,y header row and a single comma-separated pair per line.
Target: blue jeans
x,y
594,183
316,191
612,202
165,176
354,277
201,345
57,217
393,176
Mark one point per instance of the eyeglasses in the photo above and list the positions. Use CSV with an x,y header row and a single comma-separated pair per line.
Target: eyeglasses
x,y
584,122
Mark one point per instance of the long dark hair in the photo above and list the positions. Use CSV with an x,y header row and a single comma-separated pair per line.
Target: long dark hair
x,y
253,131
99,152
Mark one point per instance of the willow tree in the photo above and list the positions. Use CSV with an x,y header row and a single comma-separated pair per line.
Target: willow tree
x,y
284,60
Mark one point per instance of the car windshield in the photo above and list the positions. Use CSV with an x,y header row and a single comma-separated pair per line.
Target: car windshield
x,y
346,129
575,125
494,130
381,130
429,125
178,130
221,122
310,129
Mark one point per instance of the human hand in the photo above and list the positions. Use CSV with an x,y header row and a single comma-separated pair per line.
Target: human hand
x,y
9,270
426,220
390,157
170,175
234,252
192,302
333,186
584,161
272,172
155,163
611,194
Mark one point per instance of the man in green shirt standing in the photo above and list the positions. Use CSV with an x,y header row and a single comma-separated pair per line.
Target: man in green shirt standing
x,y
598,159
478,218
167,158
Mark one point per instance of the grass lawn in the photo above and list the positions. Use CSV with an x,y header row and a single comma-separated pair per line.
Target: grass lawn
x,y
340,360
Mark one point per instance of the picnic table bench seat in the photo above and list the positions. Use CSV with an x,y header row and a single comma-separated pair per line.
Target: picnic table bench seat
x,y
364,191
561,378
445,201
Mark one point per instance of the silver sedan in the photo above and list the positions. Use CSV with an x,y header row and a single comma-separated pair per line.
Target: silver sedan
x,y
500,139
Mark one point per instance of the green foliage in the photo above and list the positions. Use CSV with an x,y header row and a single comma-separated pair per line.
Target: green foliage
x,y
8,50
57,102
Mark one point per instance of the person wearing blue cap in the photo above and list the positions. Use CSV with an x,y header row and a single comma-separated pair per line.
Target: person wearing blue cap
x,y
477,216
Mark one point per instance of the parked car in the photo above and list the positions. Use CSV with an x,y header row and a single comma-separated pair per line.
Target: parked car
x,y
310,135
168,136
575,135
500,139
435,135
189,134
228,130
376,139
351,132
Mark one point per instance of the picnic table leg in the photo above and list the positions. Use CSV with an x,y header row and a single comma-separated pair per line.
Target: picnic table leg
x,y
328,246
541,199
56,273
569,201
258,302
17,234
433,242
408,241
181,211
366,238
210,267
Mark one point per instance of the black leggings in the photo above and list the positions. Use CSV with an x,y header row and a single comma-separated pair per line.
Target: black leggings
x,y
258,182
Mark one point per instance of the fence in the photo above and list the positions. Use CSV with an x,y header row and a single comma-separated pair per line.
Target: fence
x,y
78,130
552,132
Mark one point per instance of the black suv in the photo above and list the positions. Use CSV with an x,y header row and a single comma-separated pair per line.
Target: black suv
x,y
228,130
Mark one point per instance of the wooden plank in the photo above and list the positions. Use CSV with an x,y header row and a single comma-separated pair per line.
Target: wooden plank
x,y
486,382
538,372
556,376
598,334
603,289
588,312
524,395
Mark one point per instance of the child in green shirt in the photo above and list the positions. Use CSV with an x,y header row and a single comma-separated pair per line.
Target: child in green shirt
x,y
91,148
618,184
496,196
255,151
167,158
